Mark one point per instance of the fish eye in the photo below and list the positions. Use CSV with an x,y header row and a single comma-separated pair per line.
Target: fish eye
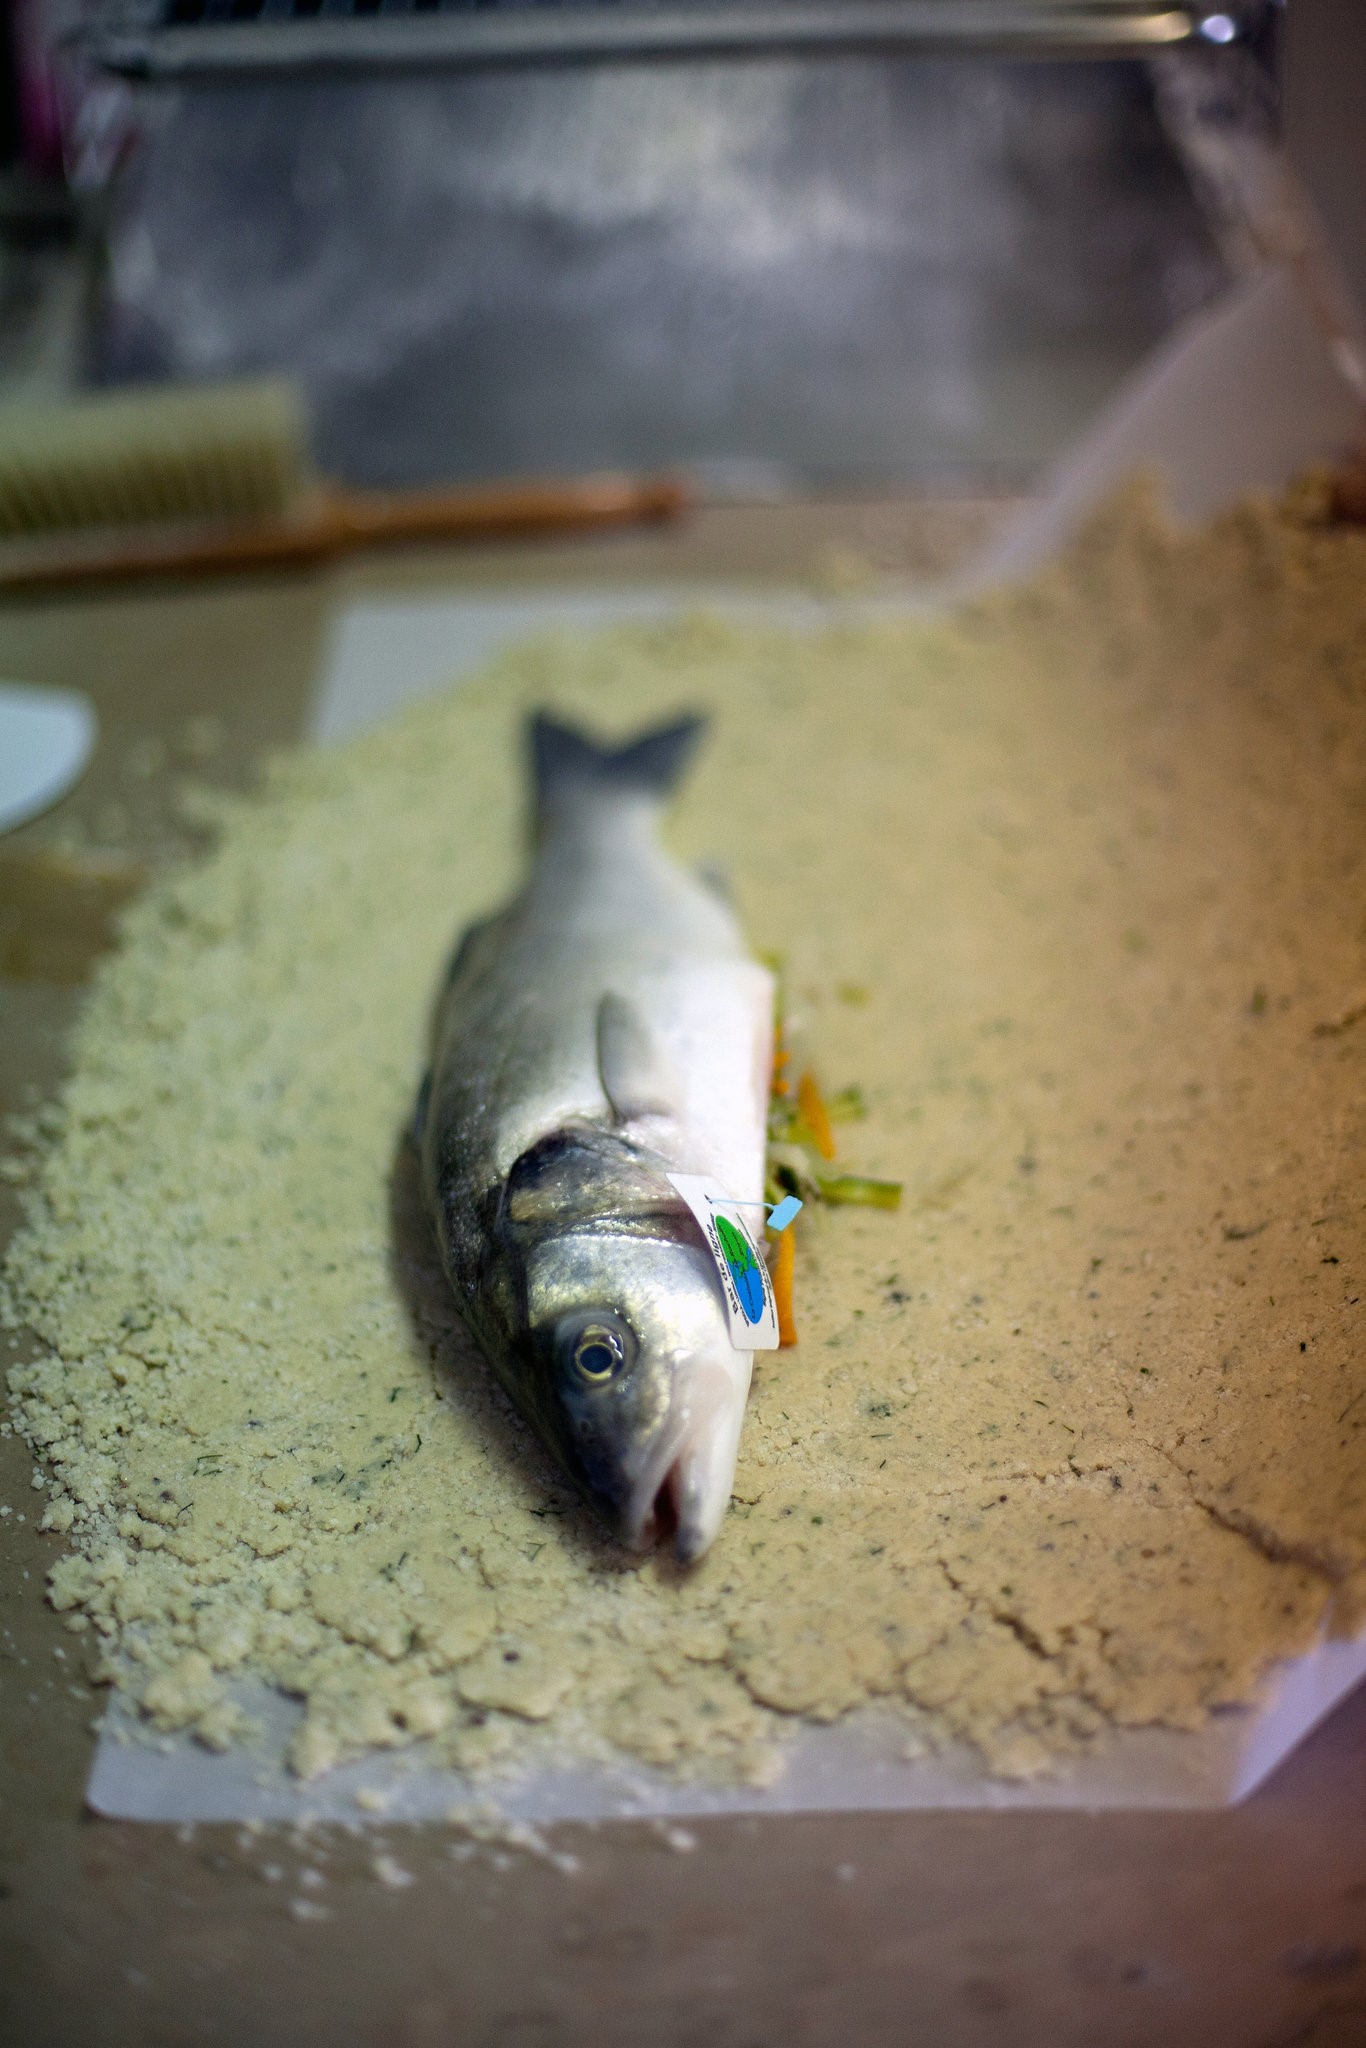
x,y
597,1354
597,1348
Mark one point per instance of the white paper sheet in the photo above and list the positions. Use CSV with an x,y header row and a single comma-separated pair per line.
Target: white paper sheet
x,y
1244,398
383,655
858,1765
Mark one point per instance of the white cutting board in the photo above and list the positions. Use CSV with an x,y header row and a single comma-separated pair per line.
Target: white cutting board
x,y
1242,399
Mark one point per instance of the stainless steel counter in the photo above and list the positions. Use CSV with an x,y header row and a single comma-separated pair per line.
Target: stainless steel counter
x,y
1244,1929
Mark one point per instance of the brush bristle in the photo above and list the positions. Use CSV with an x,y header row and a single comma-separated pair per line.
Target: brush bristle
x,y
137,457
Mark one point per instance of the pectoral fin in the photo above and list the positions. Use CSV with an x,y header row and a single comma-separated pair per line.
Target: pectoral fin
x,y
632,1065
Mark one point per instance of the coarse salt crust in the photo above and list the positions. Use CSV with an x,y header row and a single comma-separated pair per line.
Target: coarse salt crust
x,y
1072,886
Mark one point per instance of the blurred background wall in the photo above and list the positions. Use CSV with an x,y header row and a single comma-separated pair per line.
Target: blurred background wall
x,y
1324,94
818,271
829,272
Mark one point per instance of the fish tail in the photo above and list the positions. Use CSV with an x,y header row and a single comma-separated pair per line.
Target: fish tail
x,y
655,762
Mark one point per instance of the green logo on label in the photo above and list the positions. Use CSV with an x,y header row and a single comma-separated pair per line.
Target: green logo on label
x,y
743,1268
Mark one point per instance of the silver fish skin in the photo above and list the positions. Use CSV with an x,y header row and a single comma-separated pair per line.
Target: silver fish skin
x,y
605,1029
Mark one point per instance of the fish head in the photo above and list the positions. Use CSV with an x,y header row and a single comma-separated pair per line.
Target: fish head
x,y
638,1387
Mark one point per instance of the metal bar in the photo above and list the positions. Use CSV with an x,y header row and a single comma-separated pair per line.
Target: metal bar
x,y
139,47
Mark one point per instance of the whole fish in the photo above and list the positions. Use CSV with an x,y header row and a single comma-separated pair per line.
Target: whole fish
x,y
606,1029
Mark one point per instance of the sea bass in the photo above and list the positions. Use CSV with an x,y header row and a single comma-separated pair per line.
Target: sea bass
x,y
605,1030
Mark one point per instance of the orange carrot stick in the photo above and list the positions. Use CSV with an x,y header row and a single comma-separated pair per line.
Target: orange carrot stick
x,y
784,1265
815,1116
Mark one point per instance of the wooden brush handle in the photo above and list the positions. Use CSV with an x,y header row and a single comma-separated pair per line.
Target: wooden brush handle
x,y
338,520
369,517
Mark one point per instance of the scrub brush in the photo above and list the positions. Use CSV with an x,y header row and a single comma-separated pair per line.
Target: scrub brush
x,y
216,478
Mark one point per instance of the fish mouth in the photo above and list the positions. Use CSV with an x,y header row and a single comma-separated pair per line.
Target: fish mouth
x,y
665,1522
682,1495
652,1509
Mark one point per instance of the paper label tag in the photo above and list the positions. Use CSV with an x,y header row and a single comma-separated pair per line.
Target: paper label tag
x,y
739,1261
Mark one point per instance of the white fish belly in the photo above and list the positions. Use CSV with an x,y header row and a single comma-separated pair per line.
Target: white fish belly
x,y
608,912
713,1021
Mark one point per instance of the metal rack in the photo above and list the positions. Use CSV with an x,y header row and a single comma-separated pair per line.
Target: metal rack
x,y
174,39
